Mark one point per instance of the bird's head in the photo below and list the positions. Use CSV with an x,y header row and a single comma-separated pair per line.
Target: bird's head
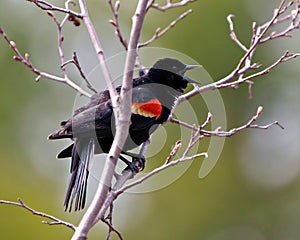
x,y
170,72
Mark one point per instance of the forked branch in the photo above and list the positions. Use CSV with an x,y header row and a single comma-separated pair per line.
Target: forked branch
x,y
46,6
26,61
261,34
54,220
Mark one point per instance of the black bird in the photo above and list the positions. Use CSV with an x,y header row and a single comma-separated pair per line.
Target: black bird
x,y
92,126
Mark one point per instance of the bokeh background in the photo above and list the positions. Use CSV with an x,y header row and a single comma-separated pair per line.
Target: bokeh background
x,y
252,193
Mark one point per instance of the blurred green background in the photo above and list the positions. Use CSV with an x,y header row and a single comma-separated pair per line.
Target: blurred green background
x,y
253,191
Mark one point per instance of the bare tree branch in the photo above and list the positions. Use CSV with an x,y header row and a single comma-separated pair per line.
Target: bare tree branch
x,y
99,50
44,5
55,220
159,32
245,64
157,170
108,221
119,187
120,181
174,151
26,61
123,114
48,8
169,4
220,133
284,58
115,10
75,61
233,34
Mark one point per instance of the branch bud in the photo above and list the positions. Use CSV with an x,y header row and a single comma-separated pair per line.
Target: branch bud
x,y
112,22
259,111
17,58
117,6
27,57
38,78
294,13
74,20
200,138
209,116
254,26
50,13
218,129
12,44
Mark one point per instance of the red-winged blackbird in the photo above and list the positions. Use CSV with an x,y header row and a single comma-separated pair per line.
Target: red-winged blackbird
x,y
92,126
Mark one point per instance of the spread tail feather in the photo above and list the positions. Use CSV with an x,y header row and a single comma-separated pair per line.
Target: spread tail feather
x,y
62,133
82,156
67,152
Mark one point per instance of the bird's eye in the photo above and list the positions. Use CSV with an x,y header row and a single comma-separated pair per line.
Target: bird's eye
x,y
174,68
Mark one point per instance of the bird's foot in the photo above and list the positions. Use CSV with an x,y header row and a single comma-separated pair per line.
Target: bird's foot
x,y
137,164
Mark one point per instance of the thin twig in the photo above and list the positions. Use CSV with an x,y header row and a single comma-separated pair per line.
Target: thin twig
x,y
232,33
169,5
75,61
26,61
158,170
99,50
207,121
245,64
261,31
120,181
108,221
174,151
44,5
220,133
158,33
115,10
60,40
119,187
112,228
286,57
55,220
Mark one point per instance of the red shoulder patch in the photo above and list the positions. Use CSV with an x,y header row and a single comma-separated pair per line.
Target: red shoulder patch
x,y
151,108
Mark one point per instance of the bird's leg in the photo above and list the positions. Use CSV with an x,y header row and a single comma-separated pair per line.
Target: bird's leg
x,y
130,165
133,155
137,164
137,157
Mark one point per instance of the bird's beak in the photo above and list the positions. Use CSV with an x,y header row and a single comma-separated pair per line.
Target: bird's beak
x,y
190,67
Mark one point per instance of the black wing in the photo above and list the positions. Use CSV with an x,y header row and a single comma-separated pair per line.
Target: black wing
x,y
96,119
